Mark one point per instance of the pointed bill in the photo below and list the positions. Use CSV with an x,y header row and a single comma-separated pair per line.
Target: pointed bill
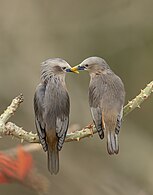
x,y
73,69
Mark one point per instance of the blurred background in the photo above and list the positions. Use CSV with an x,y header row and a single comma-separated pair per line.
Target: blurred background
x,y
121,32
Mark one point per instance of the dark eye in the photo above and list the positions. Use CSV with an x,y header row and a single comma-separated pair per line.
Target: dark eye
x,y
86,65
64,68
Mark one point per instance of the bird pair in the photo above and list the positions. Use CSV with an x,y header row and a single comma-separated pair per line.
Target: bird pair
x,y
52,105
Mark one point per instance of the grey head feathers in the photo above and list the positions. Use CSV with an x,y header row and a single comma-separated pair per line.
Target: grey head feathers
x,y
106,100
53,67
93,64
51,106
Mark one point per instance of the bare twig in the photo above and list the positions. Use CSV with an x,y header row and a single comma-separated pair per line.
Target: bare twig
x,y
12,108
14,130
137,101
11,129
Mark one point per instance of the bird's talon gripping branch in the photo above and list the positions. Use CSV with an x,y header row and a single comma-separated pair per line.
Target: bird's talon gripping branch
x,y
8,128
106,99
52,120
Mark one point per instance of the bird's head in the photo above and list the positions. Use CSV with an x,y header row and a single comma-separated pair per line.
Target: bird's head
x,y
55,66
93,65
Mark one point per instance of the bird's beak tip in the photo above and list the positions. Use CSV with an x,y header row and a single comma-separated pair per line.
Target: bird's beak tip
x,y
75,69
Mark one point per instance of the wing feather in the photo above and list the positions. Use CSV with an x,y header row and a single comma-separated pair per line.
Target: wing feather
x,y
61,129
39,111
97,88
97,118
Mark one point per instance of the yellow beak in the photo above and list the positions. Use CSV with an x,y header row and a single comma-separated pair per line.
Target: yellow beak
x,y
75,69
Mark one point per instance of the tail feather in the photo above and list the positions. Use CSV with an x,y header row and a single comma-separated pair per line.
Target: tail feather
x,y
53,160
112,143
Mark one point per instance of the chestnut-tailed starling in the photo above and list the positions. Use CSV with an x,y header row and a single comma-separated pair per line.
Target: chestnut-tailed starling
x,y
52,107
106,99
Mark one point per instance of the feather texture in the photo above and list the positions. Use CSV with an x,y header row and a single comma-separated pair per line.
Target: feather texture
x,y
52,107
106,100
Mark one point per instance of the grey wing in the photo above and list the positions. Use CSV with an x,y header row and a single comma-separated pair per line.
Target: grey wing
x,y
61,129
119,121
39,110
96,90
62,120
97,118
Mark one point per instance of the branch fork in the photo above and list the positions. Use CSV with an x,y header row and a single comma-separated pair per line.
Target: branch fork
x,y
9,128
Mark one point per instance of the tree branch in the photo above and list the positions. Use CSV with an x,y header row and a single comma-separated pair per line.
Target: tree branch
x,y
8,128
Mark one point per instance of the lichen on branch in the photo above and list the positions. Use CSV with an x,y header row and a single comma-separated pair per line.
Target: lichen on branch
x,y
9,128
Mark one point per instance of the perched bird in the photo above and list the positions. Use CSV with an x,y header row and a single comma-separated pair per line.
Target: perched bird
x,y
106,99
52,107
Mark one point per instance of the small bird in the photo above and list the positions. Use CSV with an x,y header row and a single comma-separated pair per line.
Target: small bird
x,y
106,99
52,108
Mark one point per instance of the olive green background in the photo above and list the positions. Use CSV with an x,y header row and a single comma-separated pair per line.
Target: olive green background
x,y
120,31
